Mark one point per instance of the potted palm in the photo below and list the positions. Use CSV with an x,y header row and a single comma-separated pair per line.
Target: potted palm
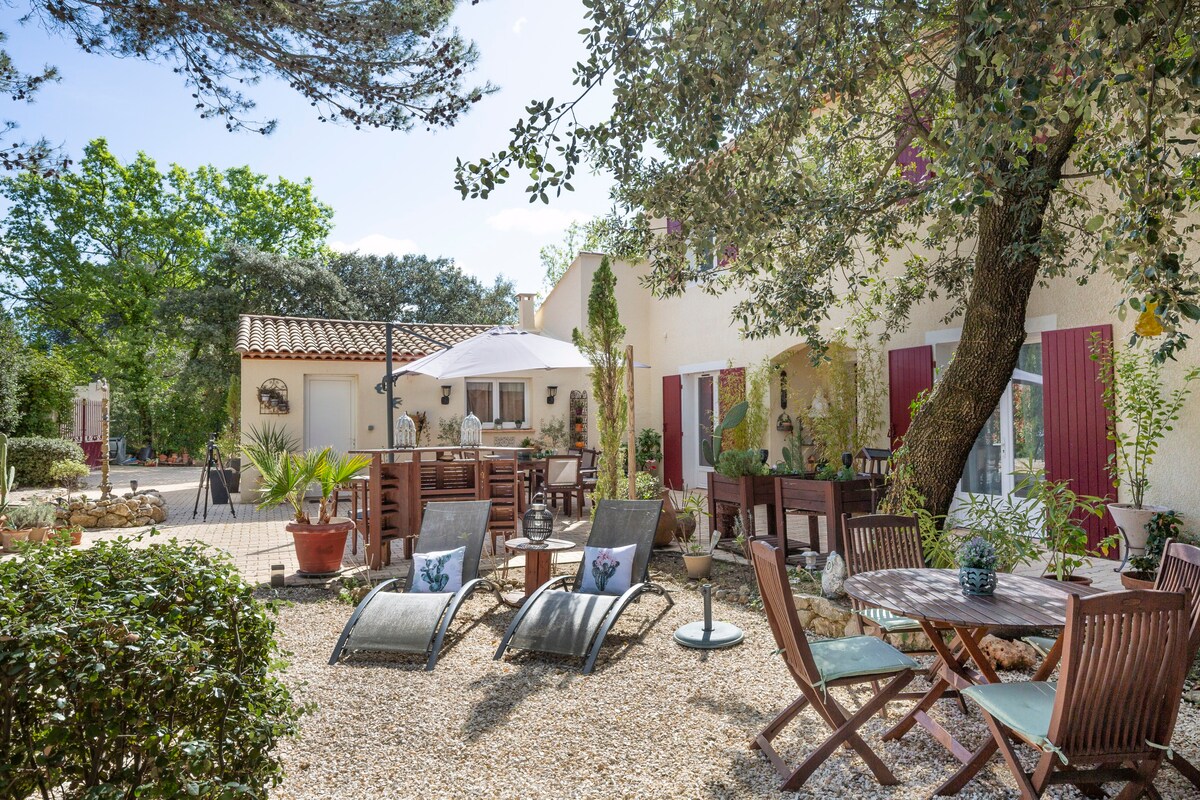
x,y
264,444
286,478
1143,412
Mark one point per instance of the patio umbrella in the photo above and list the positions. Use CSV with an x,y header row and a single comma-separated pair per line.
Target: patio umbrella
x,y
497,351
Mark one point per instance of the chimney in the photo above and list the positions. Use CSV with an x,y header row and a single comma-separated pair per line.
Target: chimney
x,y
525,312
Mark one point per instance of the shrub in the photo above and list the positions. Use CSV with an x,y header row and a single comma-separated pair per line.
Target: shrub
x,y
737,463
32,457
137,671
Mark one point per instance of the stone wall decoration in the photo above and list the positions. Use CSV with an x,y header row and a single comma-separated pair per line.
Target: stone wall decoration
x,y
128,511
273,397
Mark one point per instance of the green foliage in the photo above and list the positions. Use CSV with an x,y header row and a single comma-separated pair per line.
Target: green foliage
x,y
387,65
267,442
648,447
1142,408
450,430
36,386
287,476
32,457
416,288
793,462
1163,525
137,671
603,344
737,463
68,473
836,429
1006,525
647,486
977,553
557,258
939,547
733,418
1055,510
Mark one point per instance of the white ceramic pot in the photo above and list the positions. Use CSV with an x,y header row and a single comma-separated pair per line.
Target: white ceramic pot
x,y
1133,522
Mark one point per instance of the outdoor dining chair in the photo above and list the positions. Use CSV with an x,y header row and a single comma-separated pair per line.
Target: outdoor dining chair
x,y
395,619
1114,706
881,541
575,622
819,667
564,479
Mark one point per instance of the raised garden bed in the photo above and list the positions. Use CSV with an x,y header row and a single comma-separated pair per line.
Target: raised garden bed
x,y
818,498
745,492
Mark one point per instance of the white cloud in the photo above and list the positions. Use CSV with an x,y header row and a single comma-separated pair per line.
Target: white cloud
x,y
377,244
519,25
537,220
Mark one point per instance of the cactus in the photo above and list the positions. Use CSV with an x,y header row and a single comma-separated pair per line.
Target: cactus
x,y
793,456
8,475
734,417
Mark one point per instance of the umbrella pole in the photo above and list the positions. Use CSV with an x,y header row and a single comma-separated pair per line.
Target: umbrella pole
x,y
632,468
388,389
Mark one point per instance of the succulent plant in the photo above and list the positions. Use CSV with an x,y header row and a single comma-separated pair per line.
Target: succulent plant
x,y
733,418
977,553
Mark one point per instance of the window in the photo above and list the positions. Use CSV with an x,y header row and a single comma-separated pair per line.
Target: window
x,y
497,400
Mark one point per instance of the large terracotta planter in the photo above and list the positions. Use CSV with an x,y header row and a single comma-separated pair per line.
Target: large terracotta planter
x,y
668,522
1133,522
1137,580
319,548
11,539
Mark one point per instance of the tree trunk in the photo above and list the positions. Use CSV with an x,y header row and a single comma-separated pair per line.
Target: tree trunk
x,y
944,429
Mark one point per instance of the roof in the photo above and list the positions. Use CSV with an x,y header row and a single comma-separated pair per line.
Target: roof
x,y
343,339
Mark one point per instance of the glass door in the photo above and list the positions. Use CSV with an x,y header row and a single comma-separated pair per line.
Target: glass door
x,y
1011,445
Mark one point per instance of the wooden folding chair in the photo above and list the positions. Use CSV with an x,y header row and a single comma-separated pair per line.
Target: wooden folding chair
x,y
1179,571
1114,706
819,667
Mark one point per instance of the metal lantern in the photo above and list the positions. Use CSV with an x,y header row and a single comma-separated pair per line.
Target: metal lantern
x,y
471,432
538,522
406,431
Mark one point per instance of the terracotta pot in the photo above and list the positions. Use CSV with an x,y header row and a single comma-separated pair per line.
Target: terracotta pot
x,y
1137,580
319,548
76,536
1133,522
698,566
668,522
1081,580
38,535
11,538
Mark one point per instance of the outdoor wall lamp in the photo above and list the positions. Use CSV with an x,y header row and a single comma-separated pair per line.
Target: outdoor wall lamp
x,y
445,395
551,393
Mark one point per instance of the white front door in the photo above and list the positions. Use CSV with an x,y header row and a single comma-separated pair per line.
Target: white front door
x,y
700,408
329,405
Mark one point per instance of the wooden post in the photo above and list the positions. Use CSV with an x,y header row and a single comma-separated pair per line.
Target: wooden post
x,y
632,467
105,486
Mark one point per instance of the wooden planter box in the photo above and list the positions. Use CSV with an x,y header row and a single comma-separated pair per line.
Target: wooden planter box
x,y
829,499
745,492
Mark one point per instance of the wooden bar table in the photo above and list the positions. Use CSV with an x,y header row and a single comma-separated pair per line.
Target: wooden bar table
x,y
933,598
402,480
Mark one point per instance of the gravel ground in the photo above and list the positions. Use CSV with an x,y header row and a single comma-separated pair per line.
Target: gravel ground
x,y
654,721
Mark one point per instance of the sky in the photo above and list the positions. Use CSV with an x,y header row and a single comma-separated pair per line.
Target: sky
x,y
390,191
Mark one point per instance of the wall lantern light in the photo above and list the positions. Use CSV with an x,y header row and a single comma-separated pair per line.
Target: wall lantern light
x,y
445,395
551,393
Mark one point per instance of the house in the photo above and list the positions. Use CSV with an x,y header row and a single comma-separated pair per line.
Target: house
x,y
1052,411
322,380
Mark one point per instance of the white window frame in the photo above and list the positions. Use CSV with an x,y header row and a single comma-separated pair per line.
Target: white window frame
x,y
489,423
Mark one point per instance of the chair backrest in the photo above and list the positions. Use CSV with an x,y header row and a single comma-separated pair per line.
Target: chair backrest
x,y
881,541
590,457
450,525
1121,682
1179,571
619,523
776,592
562,470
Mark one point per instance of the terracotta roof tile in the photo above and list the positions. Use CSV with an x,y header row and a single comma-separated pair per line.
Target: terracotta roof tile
x,y
352,340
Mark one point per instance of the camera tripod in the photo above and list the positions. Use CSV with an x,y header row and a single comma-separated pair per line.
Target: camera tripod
x,y
212,459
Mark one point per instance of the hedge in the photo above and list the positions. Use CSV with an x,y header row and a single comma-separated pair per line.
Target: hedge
x,y
132,671
32,457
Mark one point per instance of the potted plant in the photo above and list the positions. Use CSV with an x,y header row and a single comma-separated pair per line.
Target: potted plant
x,y
1143,569
697,559
689,513
1061,511
648,449
17,528
38,518
497,423
520,424
977,567
285,479
1143,412
264,444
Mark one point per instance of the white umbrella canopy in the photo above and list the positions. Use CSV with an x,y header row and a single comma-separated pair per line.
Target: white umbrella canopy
x,y
500,350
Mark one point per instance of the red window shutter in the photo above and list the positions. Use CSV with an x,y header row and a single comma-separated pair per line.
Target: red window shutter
x,y
673,431
1077,424
910,372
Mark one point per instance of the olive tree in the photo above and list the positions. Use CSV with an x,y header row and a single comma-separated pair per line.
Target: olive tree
x,y
880,155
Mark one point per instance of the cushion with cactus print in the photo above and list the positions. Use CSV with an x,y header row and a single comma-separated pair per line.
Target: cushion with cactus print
x,y
438,572
607,570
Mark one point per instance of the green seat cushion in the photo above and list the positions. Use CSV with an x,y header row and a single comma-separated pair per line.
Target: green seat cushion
x,y
1023,706
1042,644
858,655
888,621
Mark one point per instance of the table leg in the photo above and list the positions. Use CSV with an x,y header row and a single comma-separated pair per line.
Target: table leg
x,y
949,672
